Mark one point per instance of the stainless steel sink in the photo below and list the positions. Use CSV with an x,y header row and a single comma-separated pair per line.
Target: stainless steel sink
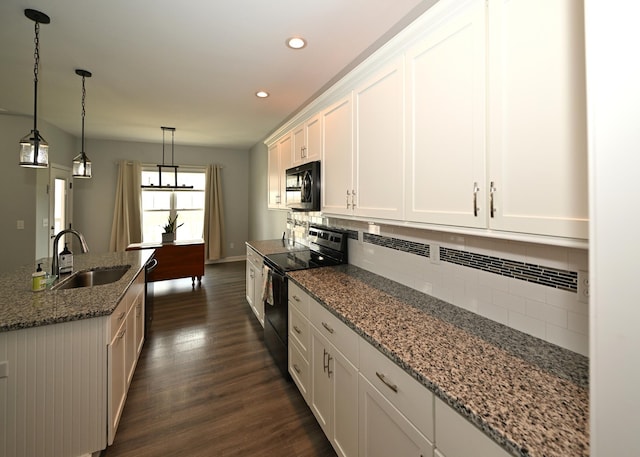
x,y
92,277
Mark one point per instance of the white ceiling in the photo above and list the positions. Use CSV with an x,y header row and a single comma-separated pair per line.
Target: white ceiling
x,y
191,64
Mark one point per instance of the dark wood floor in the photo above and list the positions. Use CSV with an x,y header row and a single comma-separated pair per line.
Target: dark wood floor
x,y
206,385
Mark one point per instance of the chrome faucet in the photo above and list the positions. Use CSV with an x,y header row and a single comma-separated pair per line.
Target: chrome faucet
x,y
83,244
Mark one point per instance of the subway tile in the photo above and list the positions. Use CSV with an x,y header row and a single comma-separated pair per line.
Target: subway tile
x,y
527,324
574,341
579,323
508,301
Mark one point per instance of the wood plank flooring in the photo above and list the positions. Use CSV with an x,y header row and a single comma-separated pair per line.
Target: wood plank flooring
x,y
205,384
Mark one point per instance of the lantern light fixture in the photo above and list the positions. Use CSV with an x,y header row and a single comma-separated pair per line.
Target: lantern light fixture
x,y
81,163
34,150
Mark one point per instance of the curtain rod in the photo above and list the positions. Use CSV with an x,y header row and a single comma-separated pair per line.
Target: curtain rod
x,y
155,165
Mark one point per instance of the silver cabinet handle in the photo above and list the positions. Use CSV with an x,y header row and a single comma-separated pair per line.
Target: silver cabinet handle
x,y
121,334
121,316
387,383
296,298
476,189
329,329
492,190
297,330
324,360
353,199
295,367
348,204
329,372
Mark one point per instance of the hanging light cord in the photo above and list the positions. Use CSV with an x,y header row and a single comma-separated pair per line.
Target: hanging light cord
x,y
84,94
36,56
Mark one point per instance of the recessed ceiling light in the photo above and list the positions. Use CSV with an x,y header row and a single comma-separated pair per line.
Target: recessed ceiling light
x,y
262,94
296,43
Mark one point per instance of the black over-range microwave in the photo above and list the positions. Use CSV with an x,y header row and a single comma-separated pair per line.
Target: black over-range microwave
x,y
303,187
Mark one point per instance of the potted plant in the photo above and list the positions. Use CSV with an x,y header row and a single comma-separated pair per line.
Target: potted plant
x,y
169,235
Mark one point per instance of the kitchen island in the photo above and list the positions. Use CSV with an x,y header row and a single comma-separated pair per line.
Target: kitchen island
x,y
67,357
528,396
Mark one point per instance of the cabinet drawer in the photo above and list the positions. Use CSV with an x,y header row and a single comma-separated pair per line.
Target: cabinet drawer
x,y
254,257
410,397
299,330
299,298
299,369
119,315
335,331
451,426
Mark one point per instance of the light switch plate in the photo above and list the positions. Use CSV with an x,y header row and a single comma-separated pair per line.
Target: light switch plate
x,y
434,253
583,286
4,369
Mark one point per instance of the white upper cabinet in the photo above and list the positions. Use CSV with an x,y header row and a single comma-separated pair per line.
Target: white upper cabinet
x,y
279,159
337,157
379,145
537,117
445,132
307,141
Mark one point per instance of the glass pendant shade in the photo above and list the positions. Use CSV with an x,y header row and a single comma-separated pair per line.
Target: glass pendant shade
x,y
81,166
34,151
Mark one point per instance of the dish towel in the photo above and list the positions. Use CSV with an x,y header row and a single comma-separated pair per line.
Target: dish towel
x,y
267,292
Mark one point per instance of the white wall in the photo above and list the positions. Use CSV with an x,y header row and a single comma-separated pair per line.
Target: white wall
x,y
23,195
613,79
94,198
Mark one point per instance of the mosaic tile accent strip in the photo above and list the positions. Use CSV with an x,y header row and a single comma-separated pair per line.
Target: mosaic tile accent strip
x,y
411,247
546,276
552,277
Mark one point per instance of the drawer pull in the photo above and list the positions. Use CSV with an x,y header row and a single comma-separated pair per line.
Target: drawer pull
x,y
324,360
121,334
329,329
296,298
329,372
295,367
121,316
298,331
387,383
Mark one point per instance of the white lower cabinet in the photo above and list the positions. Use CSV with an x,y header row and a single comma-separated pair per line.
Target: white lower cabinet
x,y
334,395
126,336
457,437
254,284
385,431
365,403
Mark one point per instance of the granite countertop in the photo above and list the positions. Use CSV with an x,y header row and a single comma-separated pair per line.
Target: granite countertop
x,y
20,307
266,247
529,396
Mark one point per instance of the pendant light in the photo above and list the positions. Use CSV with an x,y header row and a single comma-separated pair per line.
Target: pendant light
x,y
162,166
81,163
34,150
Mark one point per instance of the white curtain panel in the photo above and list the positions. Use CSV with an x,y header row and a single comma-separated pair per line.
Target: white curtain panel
x,y
127,223
213,231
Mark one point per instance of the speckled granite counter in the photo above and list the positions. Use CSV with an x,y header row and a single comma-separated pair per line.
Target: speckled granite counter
x,y
20,307
530,396
267,247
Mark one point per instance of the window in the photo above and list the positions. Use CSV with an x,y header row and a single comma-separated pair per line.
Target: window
x,y
158,204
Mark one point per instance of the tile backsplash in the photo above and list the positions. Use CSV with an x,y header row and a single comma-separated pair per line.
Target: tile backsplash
x,y
530,287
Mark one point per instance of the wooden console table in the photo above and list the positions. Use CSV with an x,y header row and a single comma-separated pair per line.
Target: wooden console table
x,y
180,259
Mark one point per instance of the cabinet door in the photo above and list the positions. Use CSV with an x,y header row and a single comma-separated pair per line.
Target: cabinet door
x,y
321,388
344,379
379,144
384,431
285,149
298,143
337,166
537,117
139,318
446,121
116,379
313,131
273,176
258,304
131,353
250,283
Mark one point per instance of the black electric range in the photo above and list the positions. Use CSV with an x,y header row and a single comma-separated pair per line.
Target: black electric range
x,y
327,247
